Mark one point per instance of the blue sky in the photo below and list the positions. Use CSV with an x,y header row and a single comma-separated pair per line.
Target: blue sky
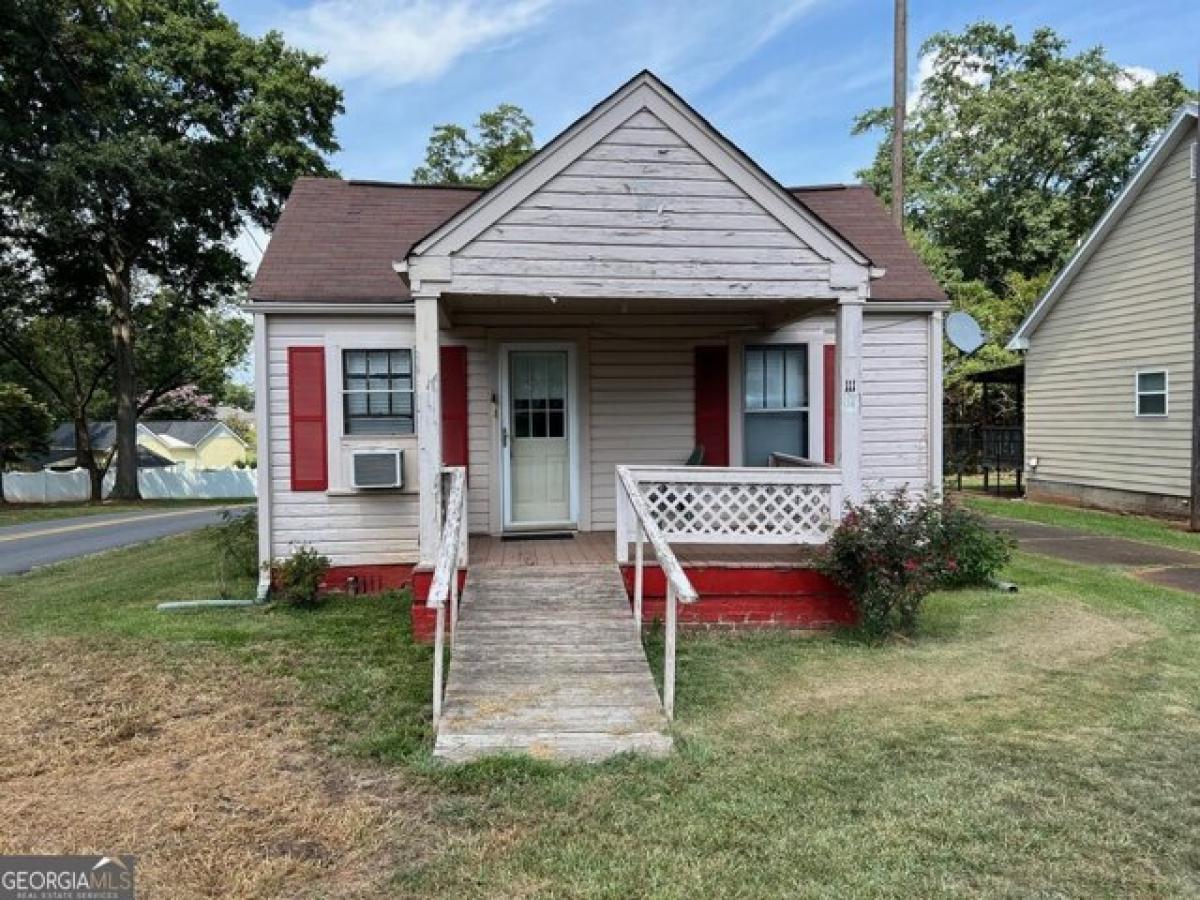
x,y
782,78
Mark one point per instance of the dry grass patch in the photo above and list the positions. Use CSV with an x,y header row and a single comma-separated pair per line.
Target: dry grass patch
x,y
1032,643
210,777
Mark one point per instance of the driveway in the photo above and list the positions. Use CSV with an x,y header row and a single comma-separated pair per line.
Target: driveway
x,y
1166,566
23,547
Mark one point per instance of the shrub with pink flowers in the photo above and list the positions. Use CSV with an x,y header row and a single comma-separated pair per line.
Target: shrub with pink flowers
x,y
891,551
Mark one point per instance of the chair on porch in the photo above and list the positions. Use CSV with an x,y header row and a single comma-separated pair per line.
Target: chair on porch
x,y
697,457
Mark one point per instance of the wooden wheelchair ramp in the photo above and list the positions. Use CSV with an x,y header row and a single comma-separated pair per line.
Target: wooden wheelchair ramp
x,y
548,662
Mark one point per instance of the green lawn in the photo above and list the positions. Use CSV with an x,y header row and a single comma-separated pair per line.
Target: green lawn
x,y
1138,528
22,513
1038,744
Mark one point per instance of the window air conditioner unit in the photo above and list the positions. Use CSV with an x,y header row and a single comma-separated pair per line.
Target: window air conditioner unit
x,y
378,469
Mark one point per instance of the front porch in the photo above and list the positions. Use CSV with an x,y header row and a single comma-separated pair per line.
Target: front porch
x,y
595,548
547,657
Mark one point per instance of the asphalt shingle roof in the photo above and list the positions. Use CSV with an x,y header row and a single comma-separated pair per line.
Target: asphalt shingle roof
x,y
336,240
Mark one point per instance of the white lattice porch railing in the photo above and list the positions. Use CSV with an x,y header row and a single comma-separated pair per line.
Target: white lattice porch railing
x,y
695,505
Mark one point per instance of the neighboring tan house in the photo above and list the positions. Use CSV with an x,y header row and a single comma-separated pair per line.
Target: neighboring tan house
x,y
639,293
1108,349
198,445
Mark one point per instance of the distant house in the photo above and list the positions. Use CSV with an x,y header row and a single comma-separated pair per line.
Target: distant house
x,y
196,444
1108,349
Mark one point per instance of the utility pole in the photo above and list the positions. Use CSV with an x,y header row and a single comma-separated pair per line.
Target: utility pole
x,y
899,100
1194,503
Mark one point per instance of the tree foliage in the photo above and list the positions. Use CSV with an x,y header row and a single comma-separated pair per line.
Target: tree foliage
x,y
25,426
67,359
136,138
503,140
1014,149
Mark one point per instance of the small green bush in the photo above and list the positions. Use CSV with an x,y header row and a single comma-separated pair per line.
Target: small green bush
x,y
971,551
236,543
298,578
890,551
883,554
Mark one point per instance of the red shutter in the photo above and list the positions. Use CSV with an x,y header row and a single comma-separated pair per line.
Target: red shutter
x,y
306,415
830,394
712,404
454,406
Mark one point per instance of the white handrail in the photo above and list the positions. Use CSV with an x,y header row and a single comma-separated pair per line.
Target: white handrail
x,y
450,552
679,586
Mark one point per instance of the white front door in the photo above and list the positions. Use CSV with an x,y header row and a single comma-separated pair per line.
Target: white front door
x,y
537,437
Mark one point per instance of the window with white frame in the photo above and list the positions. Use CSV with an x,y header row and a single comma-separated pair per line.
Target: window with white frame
x,y
1152,392
377,392
775,402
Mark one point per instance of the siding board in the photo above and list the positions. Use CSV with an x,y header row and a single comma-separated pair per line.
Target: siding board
x,y
635,216
1130,307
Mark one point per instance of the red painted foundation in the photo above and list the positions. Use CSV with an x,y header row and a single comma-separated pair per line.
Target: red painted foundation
x,y
368,579
759,597
424,619
730,598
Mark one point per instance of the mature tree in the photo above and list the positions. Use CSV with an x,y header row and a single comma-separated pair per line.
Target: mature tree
x,y
144,134
68,359
239,395
187,403
24,426
1014,148
194,347
503,140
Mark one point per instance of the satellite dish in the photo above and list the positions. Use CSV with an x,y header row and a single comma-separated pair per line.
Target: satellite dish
x,y
964,332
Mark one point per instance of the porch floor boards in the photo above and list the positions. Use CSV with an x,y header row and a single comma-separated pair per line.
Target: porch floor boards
x,y
594,548
547,661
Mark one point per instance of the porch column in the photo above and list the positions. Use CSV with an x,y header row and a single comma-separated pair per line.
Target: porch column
x,y
429,425
849,398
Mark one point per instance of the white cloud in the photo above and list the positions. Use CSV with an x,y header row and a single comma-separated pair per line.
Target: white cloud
x,y
1134,76
395,42
971,71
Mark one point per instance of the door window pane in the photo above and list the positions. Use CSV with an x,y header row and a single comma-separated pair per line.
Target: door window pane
x,y
539,394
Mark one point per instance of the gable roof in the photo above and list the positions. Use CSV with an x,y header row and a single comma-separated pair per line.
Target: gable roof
x,y
336,240
102,434
146,459
1185,119
190,432
178,432
644,92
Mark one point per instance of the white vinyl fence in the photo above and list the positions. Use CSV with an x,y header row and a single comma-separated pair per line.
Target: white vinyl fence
x,y
169,483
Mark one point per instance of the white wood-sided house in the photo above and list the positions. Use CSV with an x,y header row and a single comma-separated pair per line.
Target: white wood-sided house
x,y
1108,349
637,339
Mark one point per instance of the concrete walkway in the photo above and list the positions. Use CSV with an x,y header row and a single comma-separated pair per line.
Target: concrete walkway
x,y
1167,566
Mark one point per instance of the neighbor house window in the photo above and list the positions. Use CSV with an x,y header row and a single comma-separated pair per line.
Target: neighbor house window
x,y
377,391
1152,393
775,417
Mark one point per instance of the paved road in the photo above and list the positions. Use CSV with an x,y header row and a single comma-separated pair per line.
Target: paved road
x,y
23,547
